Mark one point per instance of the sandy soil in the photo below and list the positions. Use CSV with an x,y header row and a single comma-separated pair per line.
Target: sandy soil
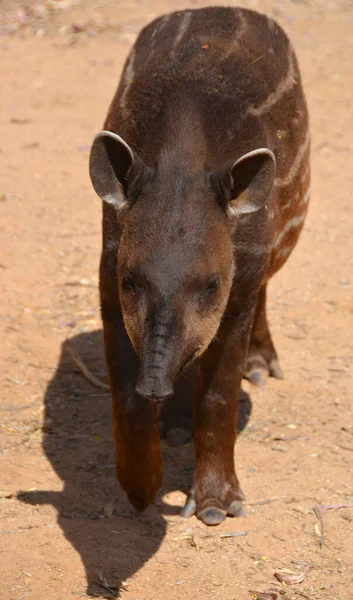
x,y
67,530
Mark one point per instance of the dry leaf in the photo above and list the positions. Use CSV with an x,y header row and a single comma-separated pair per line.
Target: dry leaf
x,y
4,494
187,535
264,595
288,577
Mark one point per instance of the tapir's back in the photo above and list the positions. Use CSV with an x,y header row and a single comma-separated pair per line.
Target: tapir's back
x,y
235,64
237,69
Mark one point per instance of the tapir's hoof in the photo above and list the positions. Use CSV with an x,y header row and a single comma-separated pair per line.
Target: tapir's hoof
x,y
212,515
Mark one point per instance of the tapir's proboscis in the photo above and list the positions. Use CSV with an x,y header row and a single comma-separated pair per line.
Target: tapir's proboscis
x,y
203,169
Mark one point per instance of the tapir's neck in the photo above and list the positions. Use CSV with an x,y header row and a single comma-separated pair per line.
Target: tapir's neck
x,y
180,173
184,141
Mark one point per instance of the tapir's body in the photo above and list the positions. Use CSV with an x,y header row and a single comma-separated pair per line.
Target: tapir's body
x,y
206,186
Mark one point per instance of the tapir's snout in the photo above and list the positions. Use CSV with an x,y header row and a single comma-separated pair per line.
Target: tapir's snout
x,y
160,356
153,390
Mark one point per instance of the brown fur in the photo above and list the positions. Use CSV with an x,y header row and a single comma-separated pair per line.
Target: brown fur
x,y
192,231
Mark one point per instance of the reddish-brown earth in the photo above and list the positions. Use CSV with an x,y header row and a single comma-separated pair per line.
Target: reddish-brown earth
x,y
67,530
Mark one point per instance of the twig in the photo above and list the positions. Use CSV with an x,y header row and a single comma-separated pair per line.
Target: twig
x,y
233,535
82,283
84,370
345,447
334,506
260,502
318,515
255,60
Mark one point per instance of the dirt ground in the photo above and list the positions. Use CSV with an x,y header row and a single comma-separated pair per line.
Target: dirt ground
x,y
67,530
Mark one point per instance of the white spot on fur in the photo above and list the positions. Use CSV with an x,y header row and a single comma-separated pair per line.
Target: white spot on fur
x,y
293,171
128,76
118,202
215,397
284,85
305,174
285,251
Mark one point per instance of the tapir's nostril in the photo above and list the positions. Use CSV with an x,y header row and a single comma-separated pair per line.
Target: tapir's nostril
x,y
155,393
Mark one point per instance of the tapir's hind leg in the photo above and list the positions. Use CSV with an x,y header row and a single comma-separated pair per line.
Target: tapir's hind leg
x,y
262,360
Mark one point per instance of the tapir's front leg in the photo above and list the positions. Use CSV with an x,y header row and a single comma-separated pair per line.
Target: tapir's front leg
x,y
216,490
136,431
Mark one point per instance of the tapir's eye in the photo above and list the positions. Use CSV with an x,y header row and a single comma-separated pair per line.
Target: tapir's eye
x,y
128,281
213,282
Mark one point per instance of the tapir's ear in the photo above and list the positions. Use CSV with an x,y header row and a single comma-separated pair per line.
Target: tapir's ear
x,y
251,180
109,164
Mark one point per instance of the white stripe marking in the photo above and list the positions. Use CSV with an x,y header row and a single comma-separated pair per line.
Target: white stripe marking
x,y
305,173
287,180
185,22
284,85
306,197
128,76
243,26
292,224
271,24
161,25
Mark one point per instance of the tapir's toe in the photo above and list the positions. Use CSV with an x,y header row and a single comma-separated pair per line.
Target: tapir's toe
x,y
189,509
236,509
258,370
275,369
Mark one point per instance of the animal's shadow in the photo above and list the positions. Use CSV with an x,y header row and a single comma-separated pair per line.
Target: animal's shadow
x,y
113,540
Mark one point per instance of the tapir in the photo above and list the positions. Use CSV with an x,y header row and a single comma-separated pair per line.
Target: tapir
x,y
203,169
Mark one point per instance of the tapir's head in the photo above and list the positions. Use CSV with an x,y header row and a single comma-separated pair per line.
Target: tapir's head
x,y
175,255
